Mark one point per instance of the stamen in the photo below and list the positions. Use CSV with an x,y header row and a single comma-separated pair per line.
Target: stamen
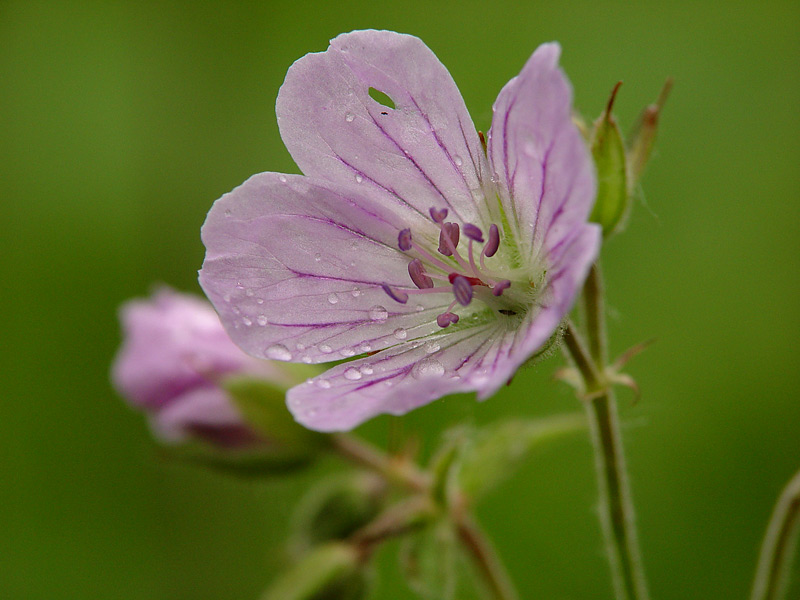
x,y
396,295
498,288
417,273
490,249
446,319
438,214
448,238
404,240
462,290
473,232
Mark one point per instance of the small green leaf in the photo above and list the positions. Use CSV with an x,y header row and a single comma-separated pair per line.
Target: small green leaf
x,y
262,404
608,150
501,448
329,572
434,565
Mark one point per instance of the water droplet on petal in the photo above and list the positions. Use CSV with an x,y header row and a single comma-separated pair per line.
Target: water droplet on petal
x,y
378,313
333,298
279,352
282,178
457,160
356,292
352,374
400,333
427,367
306,359
432,347
366,369
347,352
301,347
349,117
247,321
323,383
318,257
228,212
249,293
325,349
259,301
419,308
261,320
359,179
365,348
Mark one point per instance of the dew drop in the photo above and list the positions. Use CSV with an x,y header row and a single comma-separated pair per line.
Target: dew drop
x,y
323,383
247,321
366,369
228,212
333,298
347,352
419,308
261,320
432,347
279,352
306,359
378,313
227,297
349,117
259,301
359,179
457,160
237,310
365,348
427,367
317,257
325,349
356,292
282,178
249,293
352,374
400,333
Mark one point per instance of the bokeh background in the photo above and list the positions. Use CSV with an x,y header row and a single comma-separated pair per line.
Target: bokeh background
x,y
120,124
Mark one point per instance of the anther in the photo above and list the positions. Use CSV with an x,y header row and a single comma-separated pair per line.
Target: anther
x,y
498,288
449,231
396,295
417,273
473,232
490,249
404,240
438,214
446,319
462,290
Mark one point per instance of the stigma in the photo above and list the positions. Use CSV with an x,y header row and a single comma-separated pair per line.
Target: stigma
x,y
460,274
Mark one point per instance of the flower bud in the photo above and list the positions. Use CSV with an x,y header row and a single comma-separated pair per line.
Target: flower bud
x,y
178,365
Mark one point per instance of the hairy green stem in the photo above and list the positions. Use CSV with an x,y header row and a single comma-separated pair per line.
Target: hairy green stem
x,y
617,517
778,548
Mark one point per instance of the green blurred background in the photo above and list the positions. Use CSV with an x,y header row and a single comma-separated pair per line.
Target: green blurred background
x,y
120,124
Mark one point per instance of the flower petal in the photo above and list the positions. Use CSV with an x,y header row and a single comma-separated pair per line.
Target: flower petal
x,y
294,267
542,167
405,377
422,153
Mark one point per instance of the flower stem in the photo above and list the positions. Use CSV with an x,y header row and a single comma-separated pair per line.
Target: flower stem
x,y
485,558
780,541
617,518
398,471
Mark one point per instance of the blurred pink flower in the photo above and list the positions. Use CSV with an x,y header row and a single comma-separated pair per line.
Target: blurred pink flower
x,y
174,354
443,263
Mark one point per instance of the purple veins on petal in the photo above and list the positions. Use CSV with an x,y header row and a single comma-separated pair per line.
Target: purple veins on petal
x,y
417,273
498,288
396,295
462,290
438,214
404,240
473,232
451,231
490,249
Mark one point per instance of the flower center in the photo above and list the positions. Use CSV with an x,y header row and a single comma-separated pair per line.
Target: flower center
x,y
462,276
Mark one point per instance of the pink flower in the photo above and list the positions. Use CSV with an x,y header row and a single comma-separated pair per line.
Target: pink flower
x,y
174,354
442,264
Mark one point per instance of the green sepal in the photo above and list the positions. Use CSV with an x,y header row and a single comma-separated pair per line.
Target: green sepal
x,y
251,462
496,451
262,404
332,571
642,137
608,151
434,565
336,508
